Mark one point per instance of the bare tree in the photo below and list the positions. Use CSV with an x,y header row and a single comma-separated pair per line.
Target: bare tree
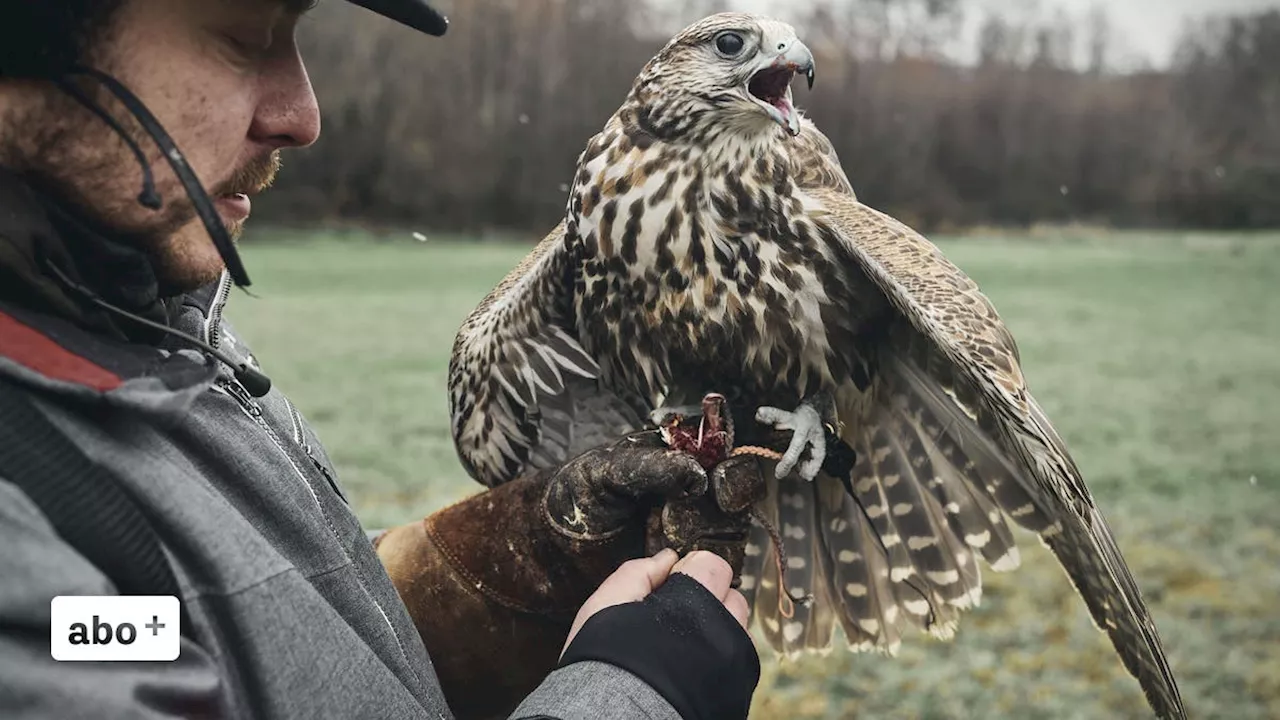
x,y
481,130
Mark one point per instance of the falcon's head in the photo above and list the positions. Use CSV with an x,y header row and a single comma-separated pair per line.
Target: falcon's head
x,y
730,71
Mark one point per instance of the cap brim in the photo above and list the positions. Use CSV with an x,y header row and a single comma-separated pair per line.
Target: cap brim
x,y
417,14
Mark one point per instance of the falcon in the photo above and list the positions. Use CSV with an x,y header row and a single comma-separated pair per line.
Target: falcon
x,y
713,243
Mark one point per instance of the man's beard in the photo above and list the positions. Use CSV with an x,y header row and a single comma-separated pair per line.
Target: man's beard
x,y
252,178
80,162
187,258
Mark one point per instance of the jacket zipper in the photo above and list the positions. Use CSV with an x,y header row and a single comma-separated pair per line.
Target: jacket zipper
x,y
300,438
215,313
251,408
215,337
236,390
333,484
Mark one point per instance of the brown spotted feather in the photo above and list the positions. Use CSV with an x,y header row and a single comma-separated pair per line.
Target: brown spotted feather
x,y
522,392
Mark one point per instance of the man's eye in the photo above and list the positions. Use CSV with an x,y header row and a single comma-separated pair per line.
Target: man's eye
x,y
249,48
730,43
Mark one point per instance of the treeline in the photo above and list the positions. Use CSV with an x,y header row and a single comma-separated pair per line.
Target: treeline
x,y
479,131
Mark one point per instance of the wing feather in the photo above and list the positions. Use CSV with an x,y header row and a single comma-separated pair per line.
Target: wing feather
x,y
950,349
523,393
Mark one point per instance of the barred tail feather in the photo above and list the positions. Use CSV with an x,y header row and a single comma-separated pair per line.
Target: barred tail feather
x,y
879,465
788,626
895,545
942,568
859,584
753,564
760,574
901,538
930,574
812,622
970,511
783,622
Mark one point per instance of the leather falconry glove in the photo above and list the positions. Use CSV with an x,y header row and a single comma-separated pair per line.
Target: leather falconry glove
x,y
493,582
718,520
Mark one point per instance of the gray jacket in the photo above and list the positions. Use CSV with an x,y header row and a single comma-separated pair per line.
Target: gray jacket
x,y
293,613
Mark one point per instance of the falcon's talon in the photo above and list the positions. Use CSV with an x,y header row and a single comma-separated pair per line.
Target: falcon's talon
x,y
808,430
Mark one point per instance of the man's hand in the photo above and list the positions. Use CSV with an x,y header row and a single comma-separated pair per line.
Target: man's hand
x,y
636,579
678,627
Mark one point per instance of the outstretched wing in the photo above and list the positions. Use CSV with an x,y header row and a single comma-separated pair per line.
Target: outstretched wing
x,y
949,440
523,394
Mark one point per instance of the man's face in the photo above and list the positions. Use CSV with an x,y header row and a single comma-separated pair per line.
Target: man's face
x,y
225,79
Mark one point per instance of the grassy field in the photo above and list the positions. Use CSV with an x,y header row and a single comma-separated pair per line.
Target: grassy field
x,y
1156,356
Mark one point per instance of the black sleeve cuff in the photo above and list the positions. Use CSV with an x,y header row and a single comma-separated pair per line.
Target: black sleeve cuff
x,y
682,642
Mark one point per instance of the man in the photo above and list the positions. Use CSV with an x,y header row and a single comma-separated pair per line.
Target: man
x,y
118,374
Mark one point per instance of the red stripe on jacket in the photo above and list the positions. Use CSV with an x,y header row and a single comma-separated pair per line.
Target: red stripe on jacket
x,y
32,349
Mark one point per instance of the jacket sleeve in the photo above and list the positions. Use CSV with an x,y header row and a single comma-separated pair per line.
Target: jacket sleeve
x,y
36,565
580,690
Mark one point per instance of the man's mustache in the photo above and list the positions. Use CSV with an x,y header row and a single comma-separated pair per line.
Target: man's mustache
x,y
251,178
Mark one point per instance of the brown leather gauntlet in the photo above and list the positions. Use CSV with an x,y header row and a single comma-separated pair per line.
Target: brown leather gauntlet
x,y
493,582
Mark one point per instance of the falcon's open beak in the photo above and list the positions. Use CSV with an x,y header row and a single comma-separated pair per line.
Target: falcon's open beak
x,y
770,86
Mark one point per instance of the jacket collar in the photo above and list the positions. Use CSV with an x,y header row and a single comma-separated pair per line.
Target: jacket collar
x,y
52,338
36,232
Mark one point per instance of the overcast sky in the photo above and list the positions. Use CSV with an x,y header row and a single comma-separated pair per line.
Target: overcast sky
x,y
1147,28
1144,29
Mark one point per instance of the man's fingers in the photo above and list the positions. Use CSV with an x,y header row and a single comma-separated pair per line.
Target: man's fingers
x,y
632,581
715,574
658,567
635,579
710,569
736,603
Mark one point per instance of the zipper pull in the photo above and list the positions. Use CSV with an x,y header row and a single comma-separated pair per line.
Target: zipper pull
x,y
237,391
333,483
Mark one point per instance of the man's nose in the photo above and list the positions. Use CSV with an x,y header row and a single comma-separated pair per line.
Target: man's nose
x,y
288,114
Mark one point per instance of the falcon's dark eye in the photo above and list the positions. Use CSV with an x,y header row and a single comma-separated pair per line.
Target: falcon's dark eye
x,y
730,43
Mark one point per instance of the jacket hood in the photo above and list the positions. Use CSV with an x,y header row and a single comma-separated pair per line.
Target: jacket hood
x,y
37,233
55,341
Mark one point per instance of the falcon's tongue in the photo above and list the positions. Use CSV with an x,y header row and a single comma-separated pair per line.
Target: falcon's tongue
x,y
771,87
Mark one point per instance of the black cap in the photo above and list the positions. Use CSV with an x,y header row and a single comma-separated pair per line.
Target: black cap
x,y
417,14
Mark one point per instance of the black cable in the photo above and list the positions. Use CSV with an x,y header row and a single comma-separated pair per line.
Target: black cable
x,y
148,197
199,198
254,381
